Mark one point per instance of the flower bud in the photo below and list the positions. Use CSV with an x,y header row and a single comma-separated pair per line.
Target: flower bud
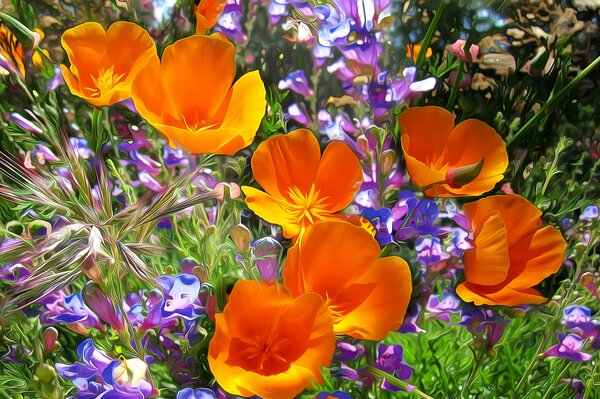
x,y
45,373
240,235
50,340
458,177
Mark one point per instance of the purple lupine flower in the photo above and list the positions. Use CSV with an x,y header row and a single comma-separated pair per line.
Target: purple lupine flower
x,y
277,11
409,326
201,393
266,252
390,358
346,351
180,297
442,308
174,157
479,321
144,162
296,81
575,314
80,147
23,122
414,217
56,80
44,151
299,113
347,373
589,214
569,347
14,273
145,179
430,250
98,375
382,220
138,141
459,243
577,385
69,310
333,395
230,21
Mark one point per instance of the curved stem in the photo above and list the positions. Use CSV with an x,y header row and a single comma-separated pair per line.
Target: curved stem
x,y
375,372
429,33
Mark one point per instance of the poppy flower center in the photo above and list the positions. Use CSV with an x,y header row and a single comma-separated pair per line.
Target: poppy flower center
x,y
106,81
266,355
306,208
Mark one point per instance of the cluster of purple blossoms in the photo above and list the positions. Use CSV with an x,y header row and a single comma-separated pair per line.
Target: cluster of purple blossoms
x,y
582,328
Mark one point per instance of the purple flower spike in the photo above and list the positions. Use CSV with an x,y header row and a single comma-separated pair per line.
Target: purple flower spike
x,y
382,220
201,393
266,255
296,81
589,214
390,358
575,314
346,351
333,395
577,385
442,308
174,157
144,162
569,347
24,123
430,250
298,112
414,217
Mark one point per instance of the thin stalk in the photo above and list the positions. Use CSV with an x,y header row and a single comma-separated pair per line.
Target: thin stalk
x,y
456,87
375,372
518,136
429,34
479,356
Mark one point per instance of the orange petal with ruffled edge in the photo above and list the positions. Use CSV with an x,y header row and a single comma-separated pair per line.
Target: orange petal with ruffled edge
x,y
520,217
207,14
489,261
197,73
506,296
339,176
297,331
286,161
468,143
425,131
542,257
367,296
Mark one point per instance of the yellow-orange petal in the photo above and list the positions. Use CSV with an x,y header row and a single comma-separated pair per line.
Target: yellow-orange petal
x,y
387,284
506,296
85,44
468,143
427,130
271,209
489,261
422,175
283,162
207,14
542,256
520,217
330,256
339,176
197,73
128,49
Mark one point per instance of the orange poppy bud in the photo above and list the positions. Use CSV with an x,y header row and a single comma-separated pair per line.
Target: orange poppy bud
x,y
189,97
512,252
207,14
366,295
104,63
268,343
302,187
445,159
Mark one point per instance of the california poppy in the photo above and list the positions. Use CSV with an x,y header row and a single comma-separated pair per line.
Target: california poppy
x,y
512,252
413,50
207,14
448,160
188,96
302,186
268,343
104,63
11,52
366,295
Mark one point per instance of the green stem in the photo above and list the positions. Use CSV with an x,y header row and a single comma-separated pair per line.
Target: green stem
x,y
375,372
456,87
479,356
429,34
518,136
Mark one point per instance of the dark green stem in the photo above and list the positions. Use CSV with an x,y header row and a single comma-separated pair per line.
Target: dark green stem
x,y
456,87
375,372
429,34
547,107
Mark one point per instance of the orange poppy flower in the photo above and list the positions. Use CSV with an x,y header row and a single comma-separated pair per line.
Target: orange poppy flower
x,y
104,63
188,96
413,50
366,295
302,187
448,160
36,57
512,252
208,13
11,51
269,344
